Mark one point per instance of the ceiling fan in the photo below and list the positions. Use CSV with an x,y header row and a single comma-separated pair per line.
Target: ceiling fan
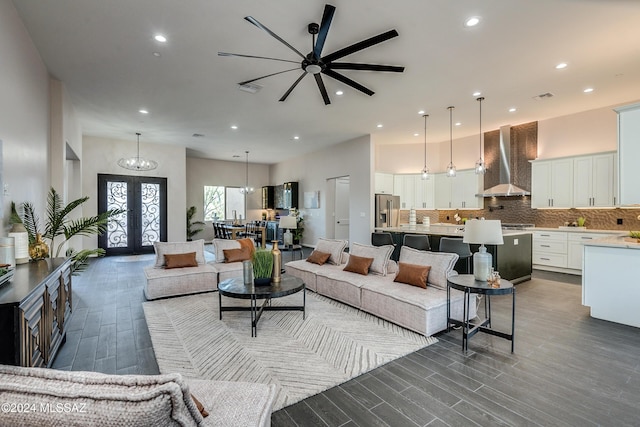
x,y
316,64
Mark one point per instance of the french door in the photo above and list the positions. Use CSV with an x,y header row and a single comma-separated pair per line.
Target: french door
x,y
145,220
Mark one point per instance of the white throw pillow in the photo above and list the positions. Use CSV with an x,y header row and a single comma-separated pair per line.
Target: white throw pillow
x,y
441,264
333,247
380,255
169,248
220,245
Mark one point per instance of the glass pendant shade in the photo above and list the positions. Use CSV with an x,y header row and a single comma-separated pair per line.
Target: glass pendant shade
x,y
480,168
137,163
451,168
425,169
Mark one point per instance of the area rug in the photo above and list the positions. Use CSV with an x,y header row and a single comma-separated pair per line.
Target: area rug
x,y
301,357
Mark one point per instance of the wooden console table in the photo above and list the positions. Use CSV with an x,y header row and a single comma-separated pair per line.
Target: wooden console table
x,y
35,308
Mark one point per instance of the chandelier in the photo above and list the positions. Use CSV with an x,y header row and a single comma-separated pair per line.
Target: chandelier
x,y
246,189
137,163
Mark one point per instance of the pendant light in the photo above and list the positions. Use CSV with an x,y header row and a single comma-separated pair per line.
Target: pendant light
x,y
481,168
451,168
246,189
137,163
425,169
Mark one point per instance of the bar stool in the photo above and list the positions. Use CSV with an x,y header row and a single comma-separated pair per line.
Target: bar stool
x,y
456,246
417,241
381,239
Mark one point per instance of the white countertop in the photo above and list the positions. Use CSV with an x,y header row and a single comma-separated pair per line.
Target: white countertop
x,y
624,242
441,230
577,230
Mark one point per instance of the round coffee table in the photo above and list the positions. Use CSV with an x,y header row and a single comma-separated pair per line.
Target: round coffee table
x,y
235,288
469,285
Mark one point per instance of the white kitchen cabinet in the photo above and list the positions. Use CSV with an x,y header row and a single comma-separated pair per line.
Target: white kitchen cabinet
x,y
594,180
552,183
383,183
628,154
458,192
405,187
424,192
575,247
550,249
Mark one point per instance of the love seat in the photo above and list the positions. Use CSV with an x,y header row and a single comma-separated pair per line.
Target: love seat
x,y
39,396
420,310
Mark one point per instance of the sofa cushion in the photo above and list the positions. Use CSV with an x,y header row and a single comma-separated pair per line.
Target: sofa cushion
x,y
333,247
236,255
318,257
412,274
96,399
358,264
380,255
219,245
249,245
227,270
163,283
180,260
162,248
441,264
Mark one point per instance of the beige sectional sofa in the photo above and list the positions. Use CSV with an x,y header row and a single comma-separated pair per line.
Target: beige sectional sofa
x,y
37,396
421,310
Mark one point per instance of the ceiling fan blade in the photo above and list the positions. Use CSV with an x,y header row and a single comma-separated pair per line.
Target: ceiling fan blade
x,y
268,75
347,81
364,67
272,34
323,90
360,46
293,86
257,57
327,17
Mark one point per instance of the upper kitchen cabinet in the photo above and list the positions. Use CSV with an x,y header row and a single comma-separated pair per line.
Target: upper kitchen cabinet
x,y
425,192
383,183
458,192
629,153
552,183
268,197
405,187
286,195
594,180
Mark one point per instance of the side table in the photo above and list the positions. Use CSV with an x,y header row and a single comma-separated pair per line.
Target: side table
x,y
467,284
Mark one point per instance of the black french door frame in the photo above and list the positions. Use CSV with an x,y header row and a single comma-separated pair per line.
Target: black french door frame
x,y
135,223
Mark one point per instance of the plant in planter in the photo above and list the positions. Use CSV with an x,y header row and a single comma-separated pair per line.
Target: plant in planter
x,y
59,225
299,230
262,266
191,231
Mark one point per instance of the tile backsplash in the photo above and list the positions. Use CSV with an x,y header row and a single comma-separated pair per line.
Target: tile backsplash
x,y
518,210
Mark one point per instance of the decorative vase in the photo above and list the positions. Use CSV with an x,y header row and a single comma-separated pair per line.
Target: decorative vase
x,y
277,261
21,238
38,250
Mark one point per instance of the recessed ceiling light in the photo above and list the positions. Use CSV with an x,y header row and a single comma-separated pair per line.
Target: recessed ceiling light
x,y
472,22
416,134
512,110
143,111
561,65
339,92
588,90
477,93
379,125
234,127
458,123
421,112
156,54
296,137
160,38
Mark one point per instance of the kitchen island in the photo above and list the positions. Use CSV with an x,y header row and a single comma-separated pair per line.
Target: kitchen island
x,y
610,279
513,259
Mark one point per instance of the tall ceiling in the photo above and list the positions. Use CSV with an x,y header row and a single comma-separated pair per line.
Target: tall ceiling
x,y
103,52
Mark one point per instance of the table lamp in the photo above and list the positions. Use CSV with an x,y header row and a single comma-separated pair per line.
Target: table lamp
x,y
288,223
482,232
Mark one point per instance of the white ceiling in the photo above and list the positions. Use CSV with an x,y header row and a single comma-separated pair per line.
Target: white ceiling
x,y
102,51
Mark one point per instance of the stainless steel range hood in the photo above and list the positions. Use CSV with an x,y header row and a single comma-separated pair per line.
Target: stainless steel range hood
x,y
505,187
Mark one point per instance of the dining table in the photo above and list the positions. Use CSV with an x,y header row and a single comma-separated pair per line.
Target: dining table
x,y
236,230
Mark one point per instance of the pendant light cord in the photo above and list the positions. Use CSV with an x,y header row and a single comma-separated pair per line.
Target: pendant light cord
x,y
246,181
480,99
138,156
451,135
425,140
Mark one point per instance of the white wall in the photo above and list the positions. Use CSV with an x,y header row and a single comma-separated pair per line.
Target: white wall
x,y
24,116
100,156
201,172
352,158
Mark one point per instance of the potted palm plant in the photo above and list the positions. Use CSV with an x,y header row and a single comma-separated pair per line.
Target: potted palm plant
x,y
262,266
191,230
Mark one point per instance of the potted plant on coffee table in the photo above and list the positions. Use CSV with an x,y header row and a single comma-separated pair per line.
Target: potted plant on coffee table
x,y
262,266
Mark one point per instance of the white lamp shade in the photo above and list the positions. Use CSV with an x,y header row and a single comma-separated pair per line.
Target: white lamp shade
x,y
487,232
288,222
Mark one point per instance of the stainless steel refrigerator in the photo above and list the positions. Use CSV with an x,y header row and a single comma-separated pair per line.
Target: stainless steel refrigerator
x,y
387,210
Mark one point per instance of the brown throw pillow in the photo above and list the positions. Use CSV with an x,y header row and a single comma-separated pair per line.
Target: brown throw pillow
x,y
180,260
358,264
318,257
200,407
248,244
413,274
236,255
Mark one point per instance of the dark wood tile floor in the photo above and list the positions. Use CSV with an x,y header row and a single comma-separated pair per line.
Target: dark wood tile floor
x,y
567,370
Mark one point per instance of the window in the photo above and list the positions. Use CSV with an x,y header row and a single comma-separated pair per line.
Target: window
x,y
222,202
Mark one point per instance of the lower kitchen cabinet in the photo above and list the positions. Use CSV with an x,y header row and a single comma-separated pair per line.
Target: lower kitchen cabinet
x,y
35,308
